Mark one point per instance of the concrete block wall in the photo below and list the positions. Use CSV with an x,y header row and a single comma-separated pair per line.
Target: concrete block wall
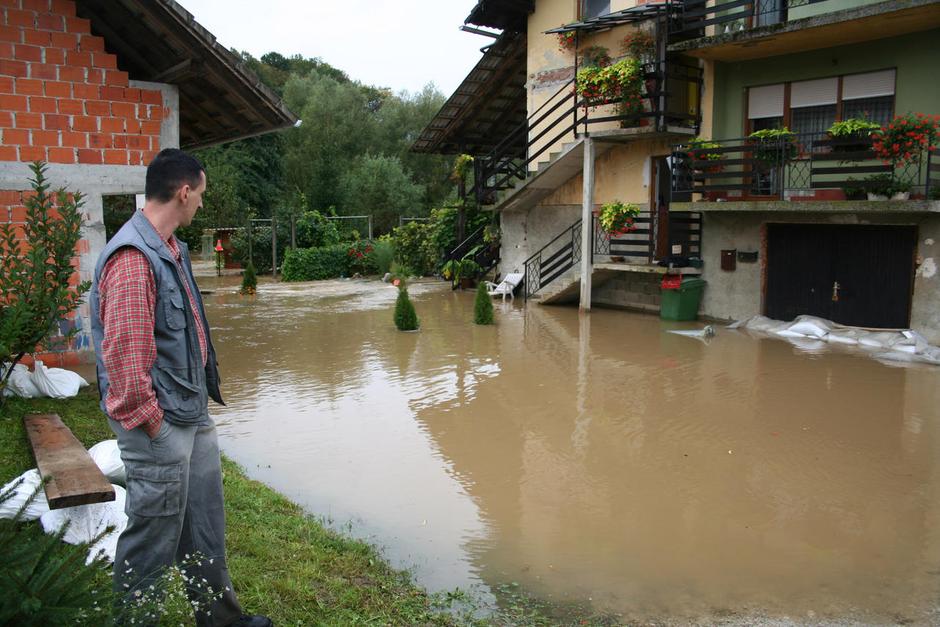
x,y
631,290
63,101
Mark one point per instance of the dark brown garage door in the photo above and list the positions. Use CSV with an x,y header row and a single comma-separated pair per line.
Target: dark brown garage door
x,y
855,275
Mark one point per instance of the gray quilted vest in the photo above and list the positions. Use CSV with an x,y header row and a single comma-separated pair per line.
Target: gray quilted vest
x,y
182,385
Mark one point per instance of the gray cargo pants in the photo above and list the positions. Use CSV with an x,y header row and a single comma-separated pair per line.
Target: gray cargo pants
x,y
174,509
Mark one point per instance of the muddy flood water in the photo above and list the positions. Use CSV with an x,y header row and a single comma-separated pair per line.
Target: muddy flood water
x,y
593,460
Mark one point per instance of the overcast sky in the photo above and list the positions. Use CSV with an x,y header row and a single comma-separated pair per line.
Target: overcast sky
x,y
401,44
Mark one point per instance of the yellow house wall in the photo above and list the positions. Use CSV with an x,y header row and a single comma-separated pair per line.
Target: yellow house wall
x,y
550,68
622,173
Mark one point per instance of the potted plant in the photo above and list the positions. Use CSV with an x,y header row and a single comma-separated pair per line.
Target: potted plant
x,y
567,40
773,147
854,190
467,271
906,137
640,44
702,150
852,135
885,186
596,56
617,218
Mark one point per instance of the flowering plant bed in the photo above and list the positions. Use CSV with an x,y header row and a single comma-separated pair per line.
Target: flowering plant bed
x,y
904,139
621,83
617,218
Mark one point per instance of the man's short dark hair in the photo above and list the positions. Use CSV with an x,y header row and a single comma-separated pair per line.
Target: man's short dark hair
x,y
170,170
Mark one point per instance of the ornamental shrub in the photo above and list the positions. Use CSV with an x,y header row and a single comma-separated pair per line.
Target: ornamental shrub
x,y
415,247
249,280
311,264
406,319
482,306
35,294
384,254
362,258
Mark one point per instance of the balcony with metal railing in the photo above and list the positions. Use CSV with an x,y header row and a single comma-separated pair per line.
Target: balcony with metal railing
x,y
669,103
737,30
749,174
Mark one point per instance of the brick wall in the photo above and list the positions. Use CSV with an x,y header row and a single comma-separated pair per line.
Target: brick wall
x,y
63,101
62,98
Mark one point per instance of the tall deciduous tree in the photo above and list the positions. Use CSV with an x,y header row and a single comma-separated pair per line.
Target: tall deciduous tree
x,y
378,186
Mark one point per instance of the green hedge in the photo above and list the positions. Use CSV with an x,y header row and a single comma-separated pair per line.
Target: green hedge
x,y
329,262
310,264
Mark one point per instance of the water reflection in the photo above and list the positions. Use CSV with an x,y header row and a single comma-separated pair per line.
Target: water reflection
x,y
592,457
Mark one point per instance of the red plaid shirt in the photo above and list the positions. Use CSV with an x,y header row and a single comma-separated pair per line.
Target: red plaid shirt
x,y
127,295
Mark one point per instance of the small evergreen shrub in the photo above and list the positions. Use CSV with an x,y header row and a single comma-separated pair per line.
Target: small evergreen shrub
x,y
406,319
482,306
249,280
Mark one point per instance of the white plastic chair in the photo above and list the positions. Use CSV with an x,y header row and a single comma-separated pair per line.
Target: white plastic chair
x,y
509,283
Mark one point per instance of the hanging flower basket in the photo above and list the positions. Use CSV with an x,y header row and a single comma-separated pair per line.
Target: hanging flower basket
x,y
703,151
617,218
773,147
567,40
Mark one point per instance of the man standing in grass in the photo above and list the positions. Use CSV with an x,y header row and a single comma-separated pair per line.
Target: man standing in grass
x,y
156,372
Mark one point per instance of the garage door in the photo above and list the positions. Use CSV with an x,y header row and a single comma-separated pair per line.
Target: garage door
x,y
855,275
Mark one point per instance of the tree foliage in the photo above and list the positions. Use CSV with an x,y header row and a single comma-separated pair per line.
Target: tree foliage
x,y
351,152
378,186
35,271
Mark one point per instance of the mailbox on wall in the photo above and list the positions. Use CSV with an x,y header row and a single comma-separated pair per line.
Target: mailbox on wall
x,y
729,260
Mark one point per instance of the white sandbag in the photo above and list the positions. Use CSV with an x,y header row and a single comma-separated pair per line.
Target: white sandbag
x,y
849,337
29,481
107,456
808,344
56,382
762,323
85,522
810,326
20,383
787,333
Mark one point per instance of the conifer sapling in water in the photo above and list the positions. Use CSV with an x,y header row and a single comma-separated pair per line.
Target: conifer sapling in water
x,y
249,280
405,317
482,306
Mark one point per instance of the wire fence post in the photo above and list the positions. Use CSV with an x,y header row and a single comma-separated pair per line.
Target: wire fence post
x,y
274,247
251,258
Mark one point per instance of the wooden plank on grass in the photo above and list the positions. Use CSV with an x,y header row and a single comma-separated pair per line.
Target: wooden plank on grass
x,y
74,478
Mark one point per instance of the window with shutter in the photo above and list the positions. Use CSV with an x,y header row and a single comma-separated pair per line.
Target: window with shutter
x,y
594,8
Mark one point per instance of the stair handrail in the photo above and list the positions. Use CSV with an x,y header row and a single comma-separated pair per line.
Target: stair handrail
x,y
463,247
500,154
537,256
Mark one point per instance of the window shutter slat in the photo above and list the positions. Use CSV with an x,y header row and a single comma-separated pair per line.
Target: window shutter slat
x,y
870,85
814,93
765,102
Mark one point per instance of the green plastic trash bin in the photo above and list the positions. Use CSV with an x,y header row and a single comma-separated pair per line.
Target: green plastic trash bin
x,y
682,303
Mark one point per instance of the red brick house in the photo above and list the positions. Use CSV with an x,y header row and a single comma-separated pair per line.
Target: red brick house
x,y
97,87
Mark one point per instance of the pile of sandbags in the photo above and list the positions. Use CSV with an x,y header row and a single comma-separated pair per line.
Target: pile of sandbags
x,y
810,332
25,498
42,381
